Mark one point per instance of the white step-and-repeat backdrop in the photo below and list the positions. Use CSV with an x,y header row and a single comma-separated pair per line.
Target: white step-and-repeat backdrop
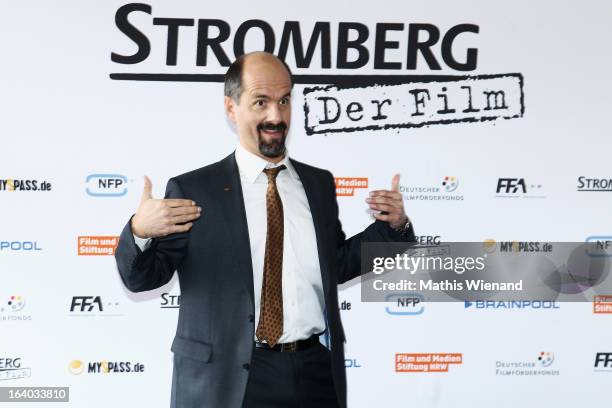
x,y
496,115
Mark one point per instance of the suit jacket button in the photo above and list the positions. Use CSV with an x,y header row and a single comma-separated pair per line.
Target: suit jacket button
x,y
251,318
246,366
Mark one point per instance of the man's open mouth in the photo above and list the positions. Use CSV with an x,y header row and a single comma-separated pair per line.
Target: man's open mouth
x,y
277,130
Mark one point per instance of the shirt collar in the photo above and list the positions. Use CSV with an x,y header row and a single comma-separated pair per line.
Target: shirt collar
x,y
251,166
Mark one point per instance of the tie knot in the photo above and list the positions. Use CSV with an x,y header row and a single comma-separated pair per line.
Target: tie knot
x,y
272,172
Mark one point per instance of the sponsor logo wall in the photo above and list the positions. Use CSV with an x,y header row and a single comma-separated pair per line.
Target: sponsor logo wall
x,y
495,116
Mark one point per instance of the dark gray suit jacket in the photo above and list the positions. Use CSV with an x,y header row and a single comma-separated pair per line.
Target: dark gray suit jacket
x,y
214,339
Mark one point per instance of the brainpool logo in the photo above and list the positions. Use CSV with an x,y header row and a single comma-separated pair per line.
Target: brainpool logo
x,y
351,362
507,305
19,246
106,185
405,304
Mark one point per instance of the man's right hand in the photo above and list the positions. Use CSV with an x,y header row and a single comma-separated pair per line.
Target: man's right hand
x,y
159,217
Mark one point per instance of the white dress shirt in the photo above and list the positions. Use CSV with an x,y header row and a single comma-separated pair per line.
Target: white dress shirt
x,y
303,302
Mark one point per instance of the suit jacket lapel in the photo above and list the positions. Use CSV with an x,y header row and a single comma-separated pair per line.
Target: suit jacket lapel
x,y
315,202
232,202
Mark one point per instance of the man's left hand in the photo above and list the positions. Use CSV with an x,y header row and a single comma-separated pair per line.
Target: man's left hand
x,y
388,205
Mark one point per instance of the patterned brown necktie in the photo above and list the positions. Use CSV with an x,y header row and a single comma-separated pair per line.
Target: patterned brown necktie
x,y
270,325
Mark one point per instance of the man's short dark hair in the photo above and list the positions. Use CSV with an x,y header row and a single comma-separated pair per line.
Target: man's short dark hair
x,y
233,77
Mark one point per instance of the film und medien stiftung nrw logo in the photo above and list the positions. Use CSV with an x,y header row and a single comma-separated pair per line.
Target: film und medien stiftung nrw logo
x,y
106,185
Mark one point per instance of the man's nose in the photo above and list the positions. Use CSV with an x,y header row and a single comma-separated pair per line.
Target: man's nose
x,y
274,114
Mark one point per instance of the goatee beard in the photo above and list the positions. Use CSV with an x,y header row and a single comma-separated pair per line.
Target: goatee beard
x,y
273,148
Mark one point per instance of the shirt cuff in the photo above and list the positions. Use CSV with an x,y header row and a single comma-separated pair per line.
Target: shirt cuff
x,y
142,243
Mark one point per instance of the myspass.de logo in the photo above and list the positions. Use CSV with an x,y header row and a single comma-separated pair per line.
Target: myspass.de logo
x,y
106,185
78,367
346,186
13,185
490,246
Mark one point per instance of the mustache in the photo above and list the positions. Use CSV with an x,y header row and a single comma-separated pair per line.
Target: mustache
x,y
275,127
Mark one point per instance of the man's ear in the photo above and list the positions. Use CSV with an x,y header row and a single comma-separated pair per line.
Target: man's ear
x,y
230,108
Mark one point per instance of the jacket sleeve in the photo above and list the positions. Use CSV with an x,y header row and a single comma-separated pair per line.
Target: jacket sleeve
x,y
349,250
150,269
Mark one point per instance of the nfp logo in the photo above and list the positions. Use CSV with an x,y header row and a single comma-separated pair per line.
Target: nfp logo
x,y
602,246
405,304
106,185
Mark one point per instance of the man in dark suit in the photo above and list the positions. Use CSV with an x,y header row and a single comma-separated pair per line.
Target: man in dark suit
x,y
259,251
